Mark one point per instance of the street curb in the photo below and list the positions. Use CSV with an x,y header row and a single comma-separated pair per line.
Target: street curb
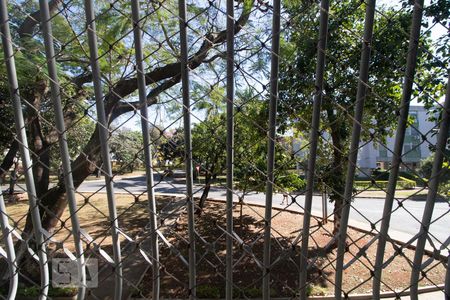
x,y
383,295
421,290
429,252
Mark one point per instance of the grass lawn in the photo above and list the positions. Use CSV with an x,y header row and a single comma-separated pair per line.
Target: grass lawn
x,y
416,194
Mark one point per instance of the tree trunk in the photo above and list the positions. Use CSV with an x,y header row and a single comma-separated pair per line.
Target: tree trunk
x,y
241,201
241,210
8,161
335,178
205,193
13,179
54,201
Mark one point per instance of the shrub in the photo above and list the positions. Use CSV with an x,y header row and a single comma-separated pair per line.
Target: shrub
x,y
383,175
315,290
444,189
62,292
380,174
403,183
34,291
290,182
207,291
254,292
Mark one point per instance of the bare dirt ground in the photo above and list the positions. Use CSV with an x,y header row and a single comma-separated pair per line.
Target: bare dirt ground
x,y
248,258
248,249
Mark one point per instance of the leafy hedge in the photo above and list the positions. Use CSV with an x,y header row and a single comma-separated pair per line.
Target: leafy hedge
x,y
403,184
381,175
290,182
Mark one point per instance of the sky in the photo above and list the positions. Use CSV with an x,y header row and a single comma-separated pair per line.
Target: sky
x,y
162,118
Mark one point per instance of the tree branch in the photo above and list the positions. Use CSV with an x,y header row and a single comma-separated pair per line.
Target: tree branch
x,y
127,86
124,107
33,19
53,135
82,79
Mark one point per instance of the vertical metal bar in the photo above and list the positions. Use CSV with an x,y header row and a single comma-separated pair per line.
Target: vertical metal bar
x,y
398,145
356,133
324,207
230,147
23,148
147,148
275,51
64,150
103,133
433,185
10,252
447,279
314,137
188,144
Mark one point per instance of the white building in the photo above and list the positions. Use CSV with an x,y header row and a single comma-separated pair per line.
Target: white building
x,y
418,139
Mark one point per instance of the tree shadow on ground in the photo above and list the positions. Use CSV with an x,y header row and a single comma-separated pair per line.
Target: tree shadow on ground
x,y
423,198
248,249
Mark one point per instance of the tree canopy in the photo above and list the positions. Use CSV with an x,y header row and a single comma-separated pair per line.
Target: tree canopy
x,y
118,76
388,59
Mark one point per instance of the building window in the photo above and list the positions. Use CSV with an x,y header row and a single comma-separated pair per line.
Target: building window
x,y
383,152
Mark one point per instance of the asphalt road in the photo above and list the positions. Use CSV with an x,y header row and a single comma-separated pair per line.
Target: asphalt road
x,y
405,220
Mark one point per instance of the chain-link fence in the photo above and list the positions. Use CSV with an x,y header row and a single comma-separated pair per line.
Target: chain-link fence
x,y
146,147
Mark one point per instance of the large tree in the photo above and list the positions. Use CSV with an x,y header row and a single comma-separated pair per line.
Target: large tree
x,y
343,53
250,149
120,84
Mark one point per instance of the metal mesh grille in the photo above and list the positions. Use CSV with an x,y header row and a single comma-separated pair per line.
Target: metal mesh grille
x,y
149,145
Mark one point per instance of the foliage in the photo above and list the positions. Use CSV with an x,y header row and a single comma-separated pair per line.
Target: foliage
x,y
251,149
343,54
402,183
256,292
6,123
77,137
171,147
425,170
384,175
290,182
126,148
208,144
315,290
250,146
35,291
207,291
